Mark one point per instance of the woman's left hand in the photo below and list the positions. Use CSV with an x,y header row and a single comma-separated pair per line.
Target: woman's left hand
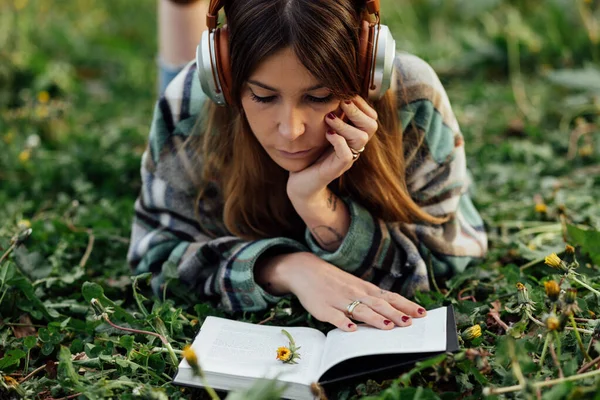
x,y
344,138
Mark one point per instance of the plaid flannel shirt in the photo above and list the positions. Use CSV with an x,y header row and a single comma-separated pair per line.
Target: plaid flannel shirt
x,y
391,254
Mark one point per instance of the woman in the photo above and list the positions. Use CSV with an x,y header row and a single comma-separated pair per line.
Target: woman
x,y
274,194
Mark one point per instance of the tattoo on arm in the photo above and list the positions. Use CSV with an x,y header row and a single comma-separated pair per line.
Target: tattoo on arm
x,y
332,201
327,236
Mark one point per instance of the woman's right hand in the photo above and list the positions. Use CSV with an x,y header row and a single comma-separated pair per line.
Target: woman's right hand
x,y
325,291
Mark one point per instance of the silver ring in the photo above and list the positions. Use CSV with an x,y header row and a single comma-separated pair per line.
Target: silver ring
x,y
355,156
352,306
359,150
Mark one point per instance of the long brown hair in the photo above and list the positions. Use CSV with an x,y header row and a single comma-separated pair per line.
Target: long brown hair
x,y
324,36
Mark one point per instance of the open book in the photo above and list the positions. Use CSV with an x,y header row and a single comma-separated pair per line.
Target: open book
x,y
234,354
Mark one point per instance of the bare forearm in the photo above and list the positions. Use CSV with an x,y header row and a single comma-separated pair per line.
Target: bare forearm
x,y
328,219
180,28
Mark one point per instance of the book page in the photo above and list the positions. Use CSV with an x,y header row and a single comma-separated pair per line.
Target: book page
x,y
249,350
426,334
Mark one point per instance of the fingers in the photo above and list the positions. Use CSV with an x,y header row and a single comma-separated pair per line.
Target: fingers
x,y
341,321
355,137
365,107
403,304
365,313
362,116
343,154
381,311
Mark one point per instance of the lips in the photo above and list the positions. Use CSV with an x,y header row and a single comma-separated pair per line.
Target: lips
x,y
294,152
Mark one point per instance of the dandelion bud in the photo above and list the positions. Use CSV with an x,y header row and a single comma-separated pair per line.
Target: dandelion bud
x,y
571,296
552,290
569,249
554,261
471,333
190,356
522,295
552,323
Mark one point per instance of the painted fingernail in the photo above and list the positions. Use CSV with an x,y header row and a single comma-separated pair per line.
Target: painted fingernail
x,y
331,115
350,326
421,311
348,101
405,318
387,322
330,131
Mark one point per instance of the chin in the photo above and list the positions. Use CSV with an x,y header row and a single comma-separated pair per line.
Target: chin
x,y
293,166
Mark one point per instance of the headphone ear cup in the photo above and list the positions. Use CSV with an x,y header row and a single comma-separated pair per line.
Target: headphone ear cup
x,y
223,62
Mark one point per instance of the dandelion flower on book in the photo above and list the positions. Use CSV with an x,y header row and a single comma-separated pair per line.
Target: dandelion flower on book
x,y
284,354
289,354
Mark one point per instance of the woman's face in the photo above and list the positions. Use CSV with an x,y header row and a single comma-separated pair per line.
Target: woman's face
x,y
286,107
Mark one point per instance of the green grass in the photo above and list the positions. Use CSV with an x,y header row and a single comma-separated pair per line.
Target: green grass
x,y
77,89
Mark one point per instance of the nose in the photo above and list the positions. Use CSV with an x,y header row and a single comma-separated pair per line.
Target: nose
x,y
291,123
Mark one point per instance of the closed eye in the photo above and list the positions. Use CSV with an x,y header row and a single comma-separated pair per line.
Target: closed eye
x,y
312,99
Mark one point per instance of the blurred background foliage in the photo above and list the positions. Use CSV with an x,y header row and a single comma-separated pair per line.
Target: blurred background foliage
x,y
78,85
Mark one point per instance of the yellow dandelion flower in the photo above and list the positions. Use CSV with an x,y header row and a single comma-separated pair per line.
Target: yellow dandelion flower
x,y
552,290
471,333
24,224
190,355
10,381
569,249
541,208
586,150
553,261
283,354
41,111
552,323
43,97
192,359
520,286
8,137
24,156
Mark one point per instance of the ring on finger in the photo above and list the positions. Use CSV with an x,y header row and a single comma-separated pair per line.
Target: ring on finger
x,y
350,308
356,153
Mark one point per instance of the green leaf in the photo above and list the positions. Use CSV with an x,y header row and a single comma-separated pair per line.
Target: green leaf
x,y
30,342
558,392
32,264
7,272
91,290
127,342
66,368
12,357
588,240
26,288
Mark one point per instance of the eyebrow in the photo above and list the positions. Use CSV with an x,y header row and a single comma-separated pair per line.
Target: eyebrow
x,y
262,85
